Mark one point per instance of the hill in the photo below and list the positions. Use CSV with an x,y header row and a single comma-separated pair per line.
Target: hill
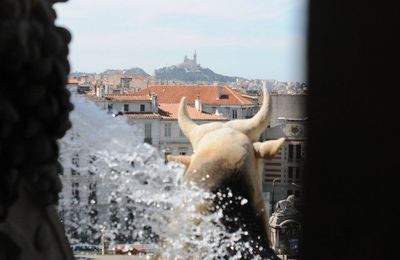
x,y
185,74
131,71
191,72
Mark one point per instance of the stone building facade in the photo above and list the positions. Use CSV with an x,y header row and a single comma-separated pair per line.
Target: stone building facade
x,y
283,173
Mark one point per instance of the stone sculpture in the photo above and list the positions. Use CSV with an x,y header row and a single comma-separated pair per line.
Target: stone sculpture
x,y
228,156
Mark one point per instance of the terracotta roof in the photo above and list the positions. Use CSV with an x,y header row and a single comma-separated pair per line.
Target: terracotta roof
x,y
130,91
128,97
170,111
143,115
250,97
73,81
172,94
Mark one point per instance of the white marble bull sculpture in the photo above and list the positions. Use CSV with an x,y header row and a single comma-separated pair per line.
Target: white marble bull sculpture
x,y
228,156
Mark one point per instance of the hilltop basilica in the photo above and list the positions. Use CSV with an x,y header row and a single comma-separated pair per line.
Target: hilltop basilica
x,y
190,64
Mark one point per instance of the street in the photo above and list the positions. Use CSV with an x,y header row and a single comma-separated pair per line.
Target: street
x,y
114,257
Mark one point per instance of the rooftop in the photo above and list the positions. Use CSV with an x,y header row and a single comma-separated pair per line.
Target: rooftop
x,y
170,111
73,81
127,97
143,115
208,94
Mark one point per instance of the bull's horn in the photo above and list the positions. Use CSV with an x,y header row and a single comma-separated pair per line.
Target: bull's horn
x,y
185,123
256,125
267,149
184,159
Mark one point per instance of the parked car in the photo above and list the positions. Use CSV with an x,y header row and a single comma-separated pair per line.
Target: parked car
x,y
85,248
126,249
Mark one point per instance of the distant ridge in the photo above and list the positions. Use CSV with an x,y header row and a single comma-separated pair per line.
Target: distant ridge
x,y
191,72
175,73
131,71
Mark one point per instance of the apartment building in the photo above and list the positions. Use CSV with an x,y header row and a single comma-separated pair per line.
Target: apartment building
x,y
211,99
162,130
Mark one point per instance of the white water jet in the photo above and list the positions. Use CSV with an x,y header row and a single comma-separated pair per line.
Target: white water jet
x,y
139,197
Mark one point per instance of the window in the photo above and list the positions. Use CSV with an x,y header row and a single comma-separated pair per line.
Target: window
x,y
75,191
297,173
298,152
182,150
293,174
126,107
147,130
142,107
92,170
291,151
181,134
167,130
248,113
147,134
75,160
166,155
92,199
92,159
234,113
93,216
290,174
75,164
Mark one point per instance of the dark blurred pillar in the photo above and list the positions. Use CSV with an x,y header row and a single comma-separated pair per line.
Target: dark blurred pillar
x,y
350,199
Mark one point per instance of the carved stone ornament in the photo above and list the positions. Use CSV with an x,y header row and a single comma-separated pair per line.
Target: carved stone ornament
x,y
284,210
294,130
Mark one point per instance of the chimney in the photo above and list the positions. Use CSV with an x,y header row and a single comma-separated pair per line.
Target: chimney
x,y
197,104
219,89
154,103
217,113
97,90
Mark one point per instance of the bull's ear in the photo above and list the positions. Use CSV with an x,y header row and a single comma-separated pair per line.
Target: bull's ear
x,y
267,149
184,159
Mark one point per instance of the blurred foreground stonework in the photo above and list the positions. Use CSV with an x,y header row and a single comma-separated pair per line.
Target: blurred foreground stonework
x,y
34,114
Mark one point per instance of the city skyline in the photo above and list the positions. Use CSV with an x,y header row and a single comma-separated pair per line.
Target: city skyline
x,y
251,39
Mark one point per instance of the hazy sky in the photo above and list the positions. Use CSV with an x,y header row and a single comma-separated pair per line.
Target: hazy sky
x,y
258,39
